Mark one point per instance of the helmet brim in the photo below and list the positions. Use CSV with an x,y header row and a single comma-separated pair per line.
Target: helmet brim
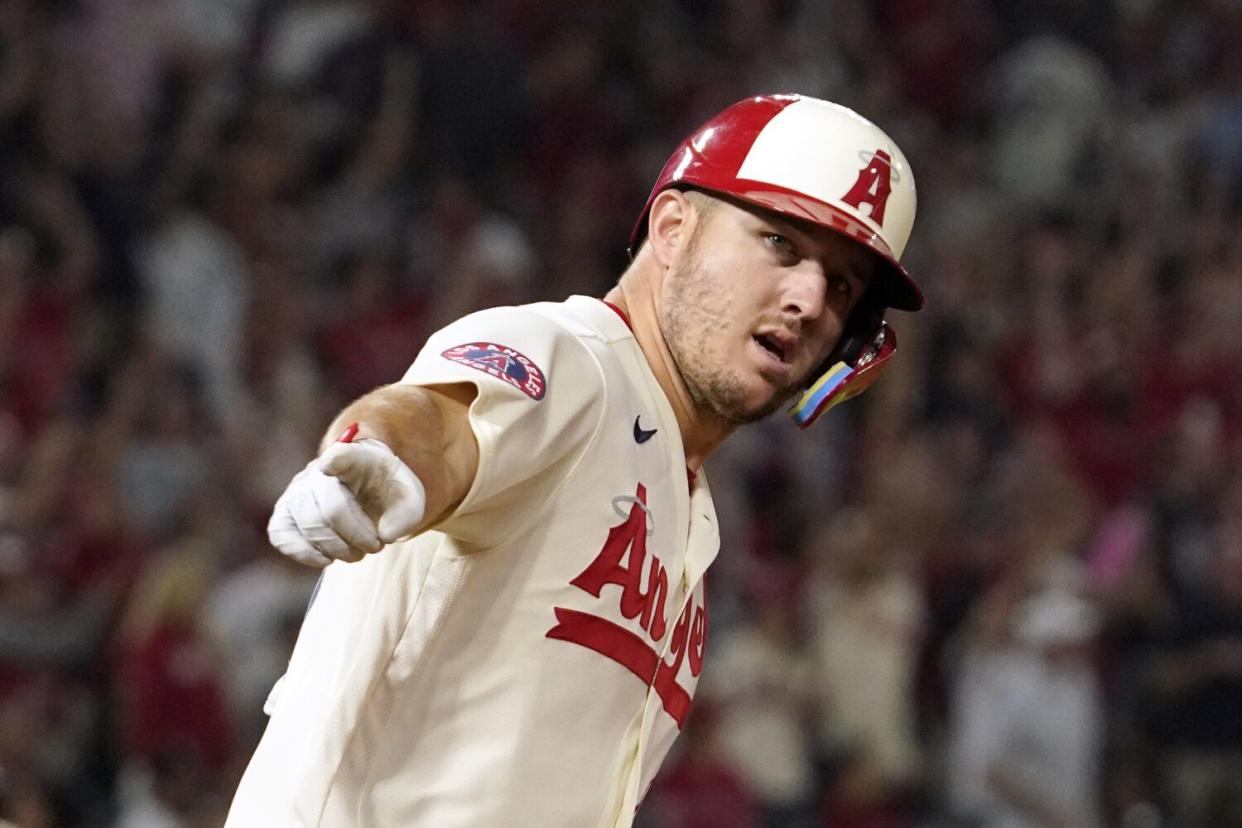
x,y
897,287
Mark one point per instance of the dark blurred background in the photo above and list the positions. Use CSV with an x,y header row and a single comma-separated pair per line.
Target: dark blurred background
x,y
1004,588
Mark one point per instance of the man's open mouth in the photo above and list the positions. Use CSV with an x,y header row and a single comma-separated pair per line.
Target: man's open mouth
x,y
773,346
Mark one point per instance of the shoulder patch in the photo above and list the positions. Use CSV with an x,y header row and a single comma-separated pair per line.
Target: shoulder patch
x,y
503,363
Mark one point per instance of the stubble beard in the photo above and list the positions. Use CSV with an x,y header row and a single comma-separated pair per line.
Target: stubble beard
x,y
694,322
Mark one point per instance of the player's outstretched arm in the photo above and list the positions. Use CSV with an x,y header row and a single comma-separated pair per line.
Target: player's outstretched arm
x,y
393,463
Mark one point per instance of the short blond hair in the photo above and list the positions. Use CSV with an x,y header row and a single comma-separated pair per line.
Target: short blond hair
x,y
703,202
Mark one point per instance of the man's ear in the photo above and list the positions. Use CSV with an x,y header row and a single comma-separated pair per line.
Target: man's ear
x,y
670,225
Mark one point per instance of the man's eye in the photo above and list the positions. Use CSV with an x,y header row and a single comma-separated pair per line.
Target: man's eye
x,y
841,286
779,242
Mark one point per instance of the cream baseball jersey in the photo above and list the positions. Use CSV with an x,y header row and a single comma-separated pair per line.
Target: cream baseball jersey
x,y
531,660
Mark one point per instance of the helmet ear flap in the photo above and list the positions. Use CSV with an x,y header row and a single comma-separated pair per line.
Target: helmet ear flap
x,y
860,355
860,329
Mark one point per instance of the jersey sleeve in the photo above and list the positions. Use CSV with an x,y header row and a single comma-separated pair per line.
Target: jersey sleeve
x,y
540,397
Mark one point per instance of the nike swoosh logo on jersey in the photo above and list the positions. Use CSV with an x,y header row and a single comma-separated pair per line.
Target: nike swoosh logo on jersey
x,y
642,435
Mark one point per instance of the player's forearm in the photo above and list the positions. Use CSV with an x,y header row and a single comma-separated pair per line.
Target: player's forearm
x,y
428,429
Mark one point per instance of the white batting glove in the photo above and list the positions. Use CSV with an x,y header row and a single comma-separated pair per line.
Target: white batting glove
x,y
324,513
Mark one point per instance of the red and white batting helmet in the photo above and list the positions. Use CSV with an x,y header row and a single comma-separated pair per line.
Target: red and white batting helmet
x,y
824,163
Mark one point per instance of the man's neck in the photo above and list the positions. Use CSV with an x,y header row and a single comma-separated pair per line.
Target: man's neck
x,y
701,432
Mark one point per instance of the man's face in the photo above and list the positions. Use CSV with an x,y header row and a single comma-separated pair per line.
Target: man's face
x,y
753,305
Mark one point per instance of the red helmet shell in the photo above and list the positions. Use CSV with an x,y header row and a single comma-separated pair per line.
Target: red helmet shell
x,y
812,160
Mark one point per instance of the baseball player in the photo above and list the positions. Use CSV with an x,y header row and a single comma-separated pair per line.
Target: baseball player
x,y
512,618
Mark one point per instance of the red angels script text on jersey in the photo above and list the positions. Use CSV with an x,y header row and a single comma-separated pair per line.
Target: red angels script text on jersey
x,y
637,653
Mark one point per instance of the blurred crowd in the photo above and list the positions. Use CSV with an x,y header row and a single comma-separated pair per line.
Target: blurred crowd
x,y
1004,588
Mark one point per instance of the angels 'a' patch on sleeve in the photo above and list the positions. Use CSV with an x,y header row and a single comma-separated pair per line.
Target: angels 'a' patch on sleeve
x,y
503,363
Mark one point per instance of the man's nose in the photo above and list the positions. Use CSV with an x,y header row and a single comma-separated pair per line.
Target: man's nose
x,y
805,291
